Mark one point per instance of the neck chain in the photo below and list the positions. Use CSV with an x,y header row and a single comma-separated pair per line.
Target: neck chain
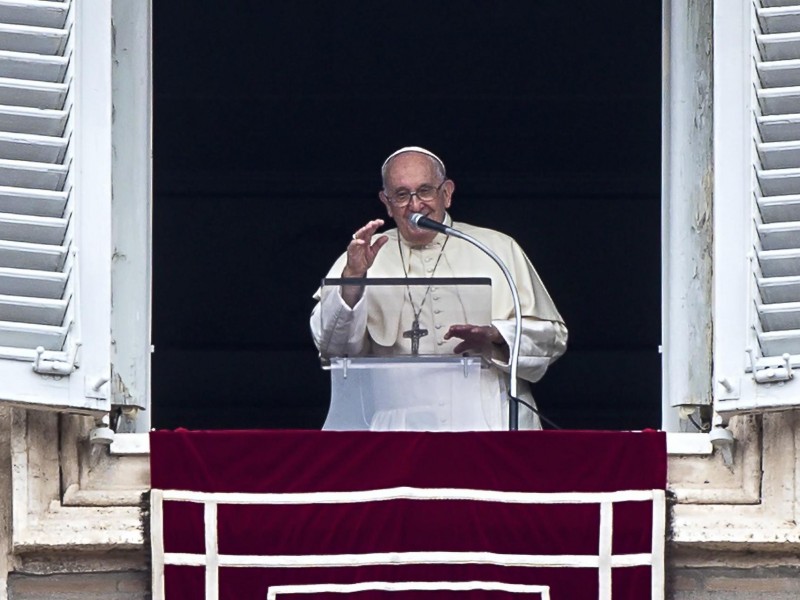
x,y
416,332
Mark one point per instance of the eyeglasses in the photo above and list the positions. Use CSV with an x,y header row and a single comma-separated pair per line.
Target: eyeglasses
x,y
425,193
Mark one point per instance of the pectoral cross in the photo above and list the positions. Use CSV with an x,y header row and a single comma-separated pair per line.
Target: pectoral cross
x,y
415,333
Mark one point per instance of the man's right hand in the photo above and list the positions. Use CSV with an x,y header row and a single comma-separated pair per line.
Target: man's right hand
x,y
361,251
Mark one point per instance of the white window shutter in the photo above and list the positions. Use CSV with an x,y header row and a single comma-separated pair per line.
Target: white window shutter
x,y
55,196
777,222
757,209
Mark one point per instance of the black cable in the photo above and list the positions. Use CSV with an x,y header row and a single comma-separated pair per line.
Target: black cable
x,y
702,428
535,411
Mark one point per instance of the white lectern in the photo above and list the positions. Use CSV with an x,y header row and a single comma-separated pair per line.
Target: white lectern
x,y
396,371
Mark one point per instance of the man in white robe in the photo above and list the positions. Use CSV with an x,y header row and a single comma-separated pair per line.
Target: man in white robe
x,y
415,182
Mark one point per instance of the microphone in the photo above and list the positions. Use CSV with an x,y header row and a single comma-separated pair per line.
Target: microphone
x,y
423,222
420,220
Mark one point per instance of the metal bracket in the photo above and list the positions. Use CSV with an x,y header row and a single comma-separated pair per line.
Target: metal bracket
x,y
772,374
49,363
96,386
730,389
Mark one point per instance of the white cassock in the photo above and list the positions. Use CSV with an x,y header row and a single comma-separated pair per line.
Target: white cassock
x,y
370,330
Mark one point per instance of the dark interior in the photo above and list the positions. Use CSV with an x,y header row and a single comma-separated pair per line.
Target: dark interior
x,y
272,120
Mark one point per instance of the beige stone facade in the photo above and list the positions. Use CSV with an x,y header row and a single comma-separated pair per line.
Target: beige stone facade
x,y
74,516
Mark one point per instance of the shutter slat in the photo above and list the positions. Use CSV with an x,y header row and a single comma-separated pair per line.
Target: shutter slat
x,y
39,14
779,263
26,282
776,343
30,335
773,209
38,203
32,40
40,176
779,317
779,128
783,19
32,94
772,3
780,46
779,289
779,155
14,119
773,236
779,73
24,255
779,182
21,65
32,148
19,309
779,101
40,230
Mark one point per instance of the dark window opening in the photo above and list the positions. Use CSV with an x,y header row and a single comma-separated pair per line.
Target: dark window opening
x,y
272,120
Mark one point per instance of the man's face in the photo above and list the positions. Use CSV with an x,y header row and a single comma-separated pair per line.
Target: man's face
x,y
409,172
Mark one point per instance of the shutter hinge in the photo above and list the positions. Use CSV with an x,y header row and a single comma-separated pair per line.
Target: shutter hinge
x,y
55,363
771,374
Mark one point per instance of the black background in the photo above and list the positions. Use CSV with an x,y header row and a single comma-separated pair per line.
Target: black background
x,y
272,120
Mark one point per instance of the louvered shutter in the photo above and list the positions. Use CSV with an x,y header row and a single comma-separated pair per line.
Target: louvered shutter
x,y
54,190
777,253
756,205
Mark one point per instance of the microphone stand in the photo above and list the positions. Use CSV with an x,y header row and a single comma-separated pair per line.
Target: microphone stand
x,y
420,220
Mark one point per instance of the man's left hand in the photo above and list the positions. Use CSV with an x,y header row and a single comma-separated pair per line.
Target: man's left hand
x,y
475,338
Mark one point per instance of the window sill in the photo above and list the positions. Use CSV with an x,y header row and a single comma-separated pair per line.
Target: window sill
x,y
130,444
689,444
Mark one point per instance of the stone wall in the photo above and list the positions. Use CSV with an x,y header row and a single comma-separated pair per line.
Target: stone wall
x,y
723,583
122,585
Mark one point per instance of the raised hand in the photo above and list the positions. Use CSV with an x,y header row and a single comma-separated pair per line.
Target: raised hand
x,y
361,251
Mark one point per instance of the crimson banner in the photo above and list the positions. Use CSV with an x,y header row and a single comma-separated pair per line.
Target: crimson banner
x,y
292,515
